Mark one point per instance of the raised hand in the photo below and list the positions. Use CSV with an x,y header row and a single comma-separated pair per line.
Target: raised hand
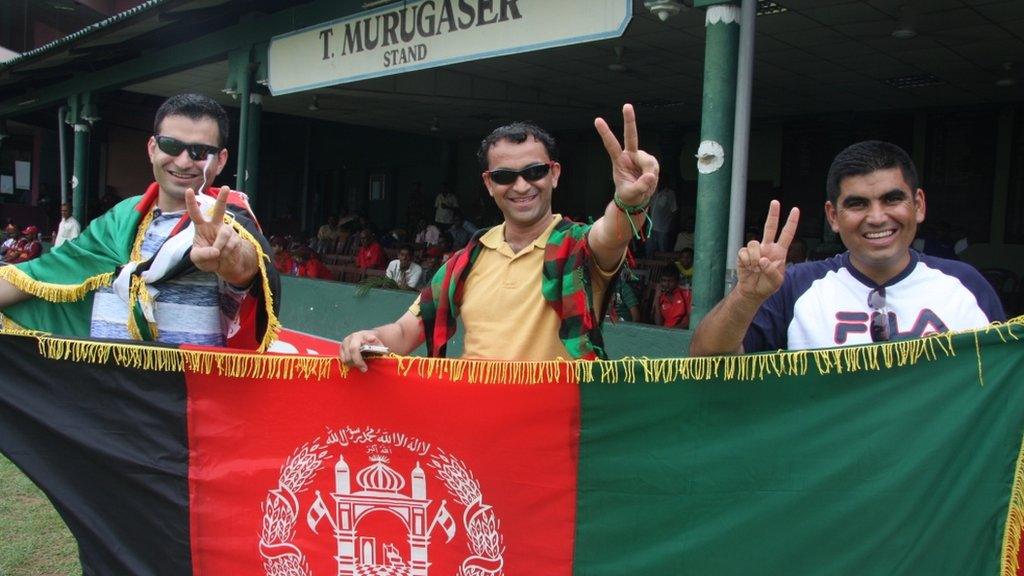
x,y
761,266
634,171
217,247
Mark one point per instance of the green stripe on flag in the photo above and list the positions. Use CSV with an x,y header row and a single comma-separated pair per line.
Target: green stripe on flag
x,y
904,470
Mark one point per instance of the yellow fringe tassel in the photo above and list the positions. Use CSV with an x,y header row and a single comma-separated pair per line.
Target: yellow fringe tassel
x,y
54,292
744,368
155,358
273,323
1014,520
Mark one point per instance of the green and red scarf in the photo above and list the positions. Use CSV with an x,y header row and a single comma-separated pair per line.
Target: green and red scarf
x,y
565,287
63,280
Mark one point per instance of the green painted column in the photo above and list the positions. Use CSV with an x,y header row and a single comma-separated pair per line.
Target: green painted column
x,y
714,155
240,85
252,148
79,177
79,108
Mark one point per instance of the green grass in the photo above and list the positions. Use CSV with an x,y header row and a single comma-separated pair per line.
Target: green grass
x,y
33,539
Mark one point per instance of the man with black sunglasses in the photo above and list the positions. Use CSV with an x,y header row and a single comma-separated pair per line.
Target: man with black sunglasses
x,y
535,287
878,290
179,264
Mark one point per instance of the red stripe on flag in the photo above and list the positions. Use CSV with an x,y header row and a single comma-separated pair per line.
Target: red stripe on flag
x,y
382,453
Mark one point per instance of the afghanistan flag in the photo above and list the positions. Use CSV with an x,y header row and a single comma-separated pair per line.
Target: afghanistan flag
x,y
903,458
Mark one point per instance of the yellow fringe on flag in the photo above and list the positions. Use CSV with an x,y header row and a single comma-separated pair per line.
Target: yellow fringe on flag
x,y
60,293
743,368
273,323
161,359
1014,520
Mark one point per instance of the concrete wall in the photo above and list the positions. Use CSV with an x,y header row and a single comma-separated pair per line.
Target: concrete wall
x,y
333,310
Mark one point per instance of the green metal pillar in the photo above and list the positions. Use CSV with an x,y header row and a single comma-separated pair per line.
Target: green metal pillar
x,y
252,148
79,108
240,85
714,155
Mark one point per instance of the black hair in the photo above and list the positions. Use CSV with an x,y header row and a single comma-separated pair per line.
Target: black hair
x,y
670,271
686,249
866,157
516,133
195,107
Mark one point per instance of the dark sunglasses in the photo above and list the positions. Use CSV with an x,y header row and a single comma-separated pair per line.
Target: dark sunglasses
x,y
531,173
173,147
879,316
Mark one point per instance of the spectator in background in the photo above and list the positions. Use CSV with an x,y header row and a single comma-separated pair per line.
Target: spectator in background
x,y
370,254
282,257
445,205
26,248
328,234
10,238
426,233
68,229
671,305
625,305
684,264
406,273
443,249
307,264
461,231
430,266
663,209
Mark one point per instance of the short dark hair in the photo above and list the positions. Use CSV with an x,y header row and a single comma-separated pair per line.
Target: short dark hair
x,y
866,157
669,271
196,107
516,133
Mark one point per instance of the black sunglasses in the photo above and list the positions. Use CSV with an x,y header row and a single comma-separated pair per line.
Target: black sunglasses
x,y
531,173
196,152
879,316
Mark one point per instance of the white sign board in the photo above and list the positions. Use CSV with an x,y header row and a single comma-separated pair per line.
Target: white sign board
x,y
22,175
414,35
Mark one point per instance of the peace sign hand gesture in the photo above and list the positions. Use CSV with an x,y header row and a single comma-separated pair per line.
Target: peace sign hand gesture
x,y
216,246
634,171
761,266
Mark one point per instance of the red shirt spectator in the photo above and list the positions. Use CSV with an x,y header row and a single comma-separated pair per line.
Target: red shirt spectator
x,y
370,254
307,264
675,307
26,248
672,304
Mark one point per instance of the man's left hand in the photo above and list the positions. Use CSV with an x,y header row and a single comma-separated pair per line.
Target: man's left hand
x,y
634,171
217,247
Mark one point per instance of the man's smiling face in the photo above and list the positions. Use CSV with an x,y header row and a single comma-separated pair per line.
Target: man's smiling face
x,y
522,203
175,174
876,215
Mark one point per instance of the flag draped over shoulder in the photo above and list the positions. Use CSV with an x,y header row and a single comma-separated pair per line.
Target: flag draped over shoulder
x,y
902,458
63,280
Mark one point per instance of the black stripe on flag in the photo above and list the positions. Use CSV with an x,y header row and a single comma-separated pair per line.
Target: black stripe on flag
x,y
108,446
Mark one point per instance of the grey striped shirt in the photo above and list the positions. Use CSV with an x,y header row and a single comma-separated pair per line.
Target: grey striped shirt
x,y
195,308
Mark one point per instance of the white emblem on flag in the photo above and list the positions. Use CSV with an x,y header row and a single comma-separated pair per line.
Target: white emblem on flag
x,y
380,513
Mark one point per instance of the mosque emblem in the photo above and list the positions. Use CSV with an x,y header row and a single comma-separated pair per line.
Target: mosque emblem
x,y
387,500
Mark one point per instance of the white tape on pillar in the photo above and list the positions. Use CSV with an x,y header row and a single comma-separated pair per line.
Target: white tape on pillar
x,y
710,157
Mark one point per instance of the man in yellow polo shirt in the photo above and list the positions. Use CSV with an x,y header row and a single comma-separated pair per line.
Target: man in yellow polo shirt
x,y
534,287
